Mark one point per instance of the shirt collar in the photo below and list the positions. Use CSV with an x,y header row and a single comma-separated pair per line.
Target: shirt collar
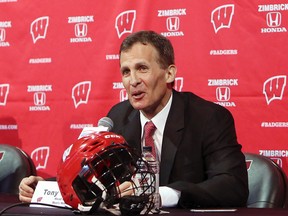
x,y
159,120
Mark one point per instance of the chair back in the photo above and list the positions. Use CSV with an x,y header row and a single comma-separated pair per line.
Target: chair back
x,y
15,164
267,183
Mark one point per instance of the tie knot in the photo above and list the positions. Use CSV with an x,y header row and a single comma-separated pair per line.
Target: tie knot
x,y
149,129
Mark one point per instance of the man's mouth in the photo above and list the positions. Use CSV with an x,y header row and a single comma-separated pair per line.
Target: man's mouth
x,y
137,95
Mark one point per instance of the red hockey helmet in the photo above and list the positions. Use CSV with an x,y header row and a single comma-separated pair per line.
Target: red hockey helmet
x,y
94,166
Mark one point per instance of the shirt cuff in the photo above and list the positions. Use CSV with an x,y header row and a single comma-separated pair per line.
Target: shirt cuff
x,y
169,196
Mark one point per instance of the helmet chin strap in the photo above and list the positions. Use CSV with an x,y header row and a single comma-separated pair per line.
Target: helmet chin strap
x,y
99,200
94,208
101,186
132,205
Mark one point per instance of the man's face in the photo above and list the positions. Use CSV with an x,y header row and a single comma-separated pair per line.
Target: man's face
x,y
144,80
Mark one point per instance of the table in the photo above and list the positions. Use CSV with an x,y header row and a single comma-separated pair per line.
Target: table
x,y
7,200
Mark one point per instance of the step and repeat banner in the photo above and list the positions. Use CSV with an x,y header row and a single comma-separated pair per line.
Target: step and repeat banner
x,y
59,67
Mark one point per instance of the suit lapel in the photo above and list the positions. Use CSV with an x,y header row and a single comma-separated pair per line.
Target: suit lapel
x,y
172,137
132,130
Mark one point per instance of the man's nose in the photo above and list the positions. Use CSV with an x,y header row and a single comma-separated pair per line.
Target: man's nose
x,y
134,79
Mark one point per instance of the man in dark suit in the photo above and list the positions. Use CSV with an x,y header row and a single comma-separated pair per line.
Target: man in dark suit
x,y
201,163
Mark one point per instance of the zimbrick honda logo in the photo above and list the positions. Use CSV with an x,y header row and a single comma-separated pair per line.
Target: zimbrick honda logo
x,y
124,22
81,28
223,91
273,16
39,97
38,28
173,21
4,91
221,17
80,93
3,34
273,88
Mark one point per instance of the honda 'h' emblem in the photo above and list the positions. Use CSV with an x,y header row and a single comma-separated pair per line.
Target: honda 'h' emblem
x,y
273,19
223,93
2,34
39,98
173,23
80,29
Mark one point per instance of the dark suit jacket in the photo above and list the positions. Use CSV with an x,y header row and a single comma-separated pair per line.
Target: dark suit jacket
x,y
200,153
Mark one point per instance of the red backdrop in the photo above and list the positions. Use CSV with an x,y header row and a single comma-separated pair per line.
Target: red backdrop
x,y
60,72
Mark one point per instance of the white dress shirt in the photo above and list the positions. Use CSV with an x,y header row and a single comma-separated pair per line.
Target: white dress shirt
x,y
169,196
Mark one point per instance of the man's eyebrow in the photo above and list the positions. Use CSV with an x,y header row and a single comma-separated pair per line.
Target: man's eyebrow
x,y
122,68
136,65
140,63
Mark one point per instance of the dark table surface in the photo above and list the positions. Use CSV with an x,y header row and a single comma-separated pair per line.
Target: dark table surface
x,y
10,200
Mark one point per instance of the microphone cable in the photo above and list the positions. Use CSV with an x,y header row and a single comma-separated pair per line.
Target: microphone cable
x,y
35,203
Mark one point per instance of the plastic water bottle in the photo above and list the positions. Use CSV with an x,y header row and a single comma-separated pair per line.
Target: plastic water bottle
x,y
153,168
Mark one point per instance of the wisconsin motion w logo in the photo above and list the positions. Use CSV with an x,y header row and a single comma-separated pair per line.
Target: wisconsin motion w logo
x,y
273,88
123,95
2,155
4,91
179,82
249,164
124,22
221,17
38,28
40,157
80,93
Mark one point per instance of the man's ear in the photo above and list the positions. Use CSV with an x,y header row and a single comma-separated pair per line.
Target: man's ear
x,y
171,73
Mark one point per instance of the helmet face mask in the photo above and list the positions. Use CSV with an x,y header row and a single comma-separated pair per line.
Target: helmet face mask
x,y
93,170
101,174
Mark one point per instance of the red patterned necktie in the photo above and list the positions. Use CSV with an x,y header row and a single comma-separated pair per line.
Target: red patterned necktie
x,y
149,130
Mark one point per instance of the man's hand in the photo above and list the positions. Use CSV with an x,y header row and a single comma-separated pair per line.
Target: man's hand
x,y
126,189
27,187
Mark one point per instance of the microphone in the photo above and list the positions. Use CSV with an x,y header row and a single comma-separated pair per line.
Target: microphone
x,y
106,122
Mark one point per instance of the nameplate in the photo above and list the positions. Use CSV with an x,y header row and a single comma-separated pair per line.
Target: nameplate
x,y
47,192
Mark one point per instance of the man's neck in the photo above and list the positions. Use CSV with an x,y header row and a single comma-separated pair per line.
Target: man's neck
x,y
149,114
